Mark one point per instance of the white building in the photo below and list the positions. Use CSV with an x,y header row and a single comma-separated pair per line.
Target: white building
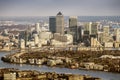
x,y
37,27
45,35
95,43
31,43
36,39
69,38
90,25
57,43
60,40
108,44
117,34
43,42
22,43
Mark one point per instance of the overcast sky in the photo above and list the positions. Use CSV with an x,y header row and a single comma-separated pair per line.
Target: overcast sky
x,y
67,7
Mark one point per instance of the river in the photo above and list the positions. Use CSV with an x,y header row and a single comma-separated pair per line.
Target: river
x,y
100,74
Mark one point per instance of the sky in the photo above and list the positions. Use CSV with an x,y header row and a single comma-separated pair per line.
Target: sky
x,y
67,7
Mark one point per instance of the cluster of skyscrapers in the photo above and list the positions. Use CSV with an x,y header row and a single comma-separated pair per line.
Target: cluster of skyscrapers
x,y
57,25
94,34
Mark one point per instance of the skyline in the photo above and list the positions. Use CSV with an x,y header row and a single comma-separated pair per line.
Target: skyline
x,y
52,7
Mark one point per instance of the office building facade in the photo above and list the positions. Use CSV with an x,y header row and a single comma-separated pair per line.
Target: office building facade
x,y
106,35
73,28
60,23
52,24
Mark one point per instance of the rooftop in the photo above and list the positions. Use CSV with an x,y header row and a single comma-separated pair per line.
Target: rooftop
x,y
59,13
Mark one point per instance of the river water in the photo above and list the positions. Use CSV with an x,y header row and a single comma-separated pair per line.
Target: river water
x,y
100,74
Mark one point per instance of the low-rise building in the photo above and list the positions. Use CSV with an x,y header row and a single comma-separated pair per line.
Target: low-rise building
x,y
31,61
91,65
22,44
95,42
62,40
10,76
108,44
45,35
39,61
117,44
75,77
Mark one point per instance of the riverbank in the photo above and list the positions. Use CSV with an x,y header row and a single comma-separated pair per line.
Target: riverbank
x,y
87,60
4,50
42,68
16,74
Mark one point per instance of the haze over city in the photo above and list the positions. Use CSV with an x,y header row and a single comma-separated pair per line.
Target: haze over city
x,y
51,7
59,39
